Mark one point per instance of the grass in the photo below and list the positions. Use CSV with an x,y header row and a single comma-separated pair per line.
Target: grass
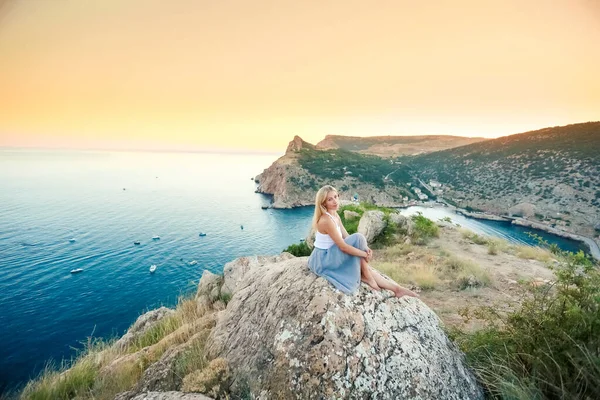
x,y
429,271
299,249
461,271
474,237
101,370
422,275
423,229
546,346
533,253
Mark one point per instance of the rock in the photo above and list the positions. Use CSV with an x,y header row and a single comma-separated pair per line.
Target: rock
x,y
371,224
472,281
400,220
522,210
210,285
214,379
142,324
350,215
234,271
287,333
168,396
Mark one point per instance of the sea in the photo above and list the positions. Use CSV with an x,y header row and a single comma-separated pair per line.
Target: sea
x,y
67,210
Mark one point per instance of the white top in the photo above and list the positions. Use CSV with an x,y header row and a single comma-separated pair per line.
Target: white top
x,y
323,241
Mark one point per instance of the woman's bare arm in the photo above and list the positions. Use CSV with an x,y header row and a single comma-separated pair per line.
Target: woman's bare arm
x,y
326,225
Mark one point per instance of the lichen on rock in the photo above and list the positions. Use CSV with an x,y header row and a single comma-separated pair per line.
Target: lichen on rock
x,y
288,333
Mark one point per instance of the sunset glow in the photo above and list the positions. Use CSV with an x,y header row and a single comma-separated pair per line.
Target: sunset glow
x,y
233,75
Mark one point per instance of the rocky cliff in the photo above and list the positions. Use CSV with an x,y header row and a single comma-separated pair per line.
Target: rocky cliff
x,y
286,333
270,328
277,179
292,185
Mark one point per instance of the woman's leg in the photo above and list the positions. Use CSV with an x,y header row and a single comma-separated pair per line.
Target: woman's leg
x,y
366,276
360,242
384,283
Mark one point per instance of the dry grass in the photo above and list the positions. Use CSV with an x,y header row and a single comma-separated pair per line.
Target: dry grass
x,y
421,275
102,370
213,380
461,271
415,265
533,253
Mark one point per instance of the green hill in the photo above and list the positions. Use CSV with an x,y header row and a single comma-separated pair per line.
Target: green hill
x,y
556,169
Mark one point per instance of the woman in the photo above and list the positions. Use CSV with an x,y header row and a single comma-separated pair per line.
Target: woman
x,y
340,258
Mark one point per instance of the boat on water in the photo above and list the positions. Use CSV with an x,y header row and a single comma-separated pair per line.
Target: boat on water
x,y
72,240
137,242
202,234
242,226
77,270
152,268
193,262
156,237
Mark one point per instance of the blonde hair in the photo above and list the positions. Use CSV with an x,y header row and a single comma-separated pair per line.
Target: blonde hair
x,y
320,199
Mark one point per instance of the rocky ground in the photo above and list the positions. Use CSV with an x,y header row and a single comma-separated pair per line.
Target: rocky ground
x,y
497,274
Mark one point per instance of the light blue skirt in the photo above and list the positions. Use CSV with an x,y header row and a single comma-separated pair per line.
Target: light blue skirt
x,y
339,268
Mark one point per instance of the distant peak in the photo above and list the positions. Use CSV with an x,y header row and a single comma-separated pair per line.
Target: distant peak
x,y
297,144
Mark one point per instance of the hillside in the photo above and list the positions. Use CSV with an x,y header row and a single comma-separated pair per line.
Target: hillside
x,y
294,178
393,146
551,175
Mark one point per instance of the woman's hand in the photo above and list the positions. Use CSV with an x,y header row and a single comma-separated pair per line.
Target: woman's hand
x,y
369,254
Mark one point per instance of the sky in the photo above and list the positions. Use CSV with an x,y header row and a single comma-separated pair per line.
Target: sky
x,y
249,75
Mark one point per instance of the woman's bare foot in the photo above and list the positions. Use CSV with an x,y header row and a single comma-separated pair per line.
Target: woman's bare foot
x,y
399,291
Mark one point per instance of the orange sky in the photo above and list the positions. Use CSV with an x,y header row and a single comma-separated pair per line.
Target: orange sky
x,y
195,74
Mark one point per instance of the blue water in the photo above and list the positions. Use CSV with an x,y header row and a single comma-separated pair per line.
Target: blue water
x,y
108,200
47,198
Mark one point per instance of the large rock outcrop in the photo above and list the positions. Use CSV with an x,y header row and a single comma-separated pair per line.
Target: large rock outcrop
x,y
287,333
285,179
372,224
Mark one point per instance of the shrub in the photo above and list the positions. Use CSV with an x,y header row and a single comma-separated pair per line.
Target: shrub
x,y
465,273
546,347
423,229
299,250
351,225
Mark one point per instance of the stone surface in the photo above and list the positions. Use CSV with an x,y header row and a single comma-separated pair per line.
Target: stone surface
x,y
522,210
371,224
143,323
287,333
209,285
234,271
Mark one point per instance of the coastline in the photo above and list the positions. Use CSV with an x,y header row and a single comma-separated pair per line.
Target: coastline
x,y
594,249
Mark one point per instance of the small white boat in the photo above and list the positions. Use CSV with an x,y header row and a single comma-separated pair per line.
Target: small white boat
x,y
72,240
155,237
202,234
193,262
77,270
152,268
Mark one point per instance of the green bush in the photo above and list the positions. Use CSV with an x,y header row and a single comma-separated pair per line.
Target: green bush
x,y
423,229
546,347
299,250
351,225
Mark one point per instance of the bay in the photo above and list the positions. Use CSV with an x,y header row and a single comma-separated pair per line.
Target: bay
x,y
105,201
